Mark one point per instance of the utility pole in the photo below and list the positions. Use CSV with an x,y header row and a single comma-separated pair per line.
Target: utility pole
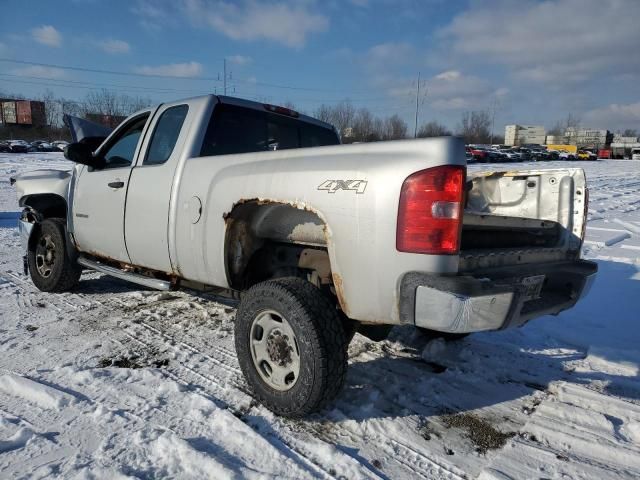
x,y
225,75
415,130
494,106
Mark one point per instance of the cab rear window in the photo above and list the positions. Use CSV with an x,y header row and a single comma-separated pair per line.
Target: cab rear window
x,y
234,129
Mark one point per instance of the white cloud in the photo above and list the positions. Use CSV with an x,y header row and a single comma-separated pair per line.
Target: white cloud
x,y
449,90
190,69
47,35
115,46
448,75
41,72
240,59
285,22
549,41
155,15
614,116
383,55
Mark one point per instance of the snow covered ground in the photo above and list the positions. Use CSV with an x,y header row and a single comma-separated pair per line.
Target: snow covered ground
x,y
116,382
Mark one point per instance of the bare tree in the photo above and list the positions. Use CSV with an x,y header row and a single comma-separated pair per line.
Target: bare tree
x,y
572,125
52,108
557,130
364,126
433,129
395,128
630,132
475,126
108,102
340,116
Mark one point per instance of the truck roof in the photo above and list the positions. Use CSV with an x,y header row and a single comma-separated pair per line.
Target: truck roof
x,y
241,102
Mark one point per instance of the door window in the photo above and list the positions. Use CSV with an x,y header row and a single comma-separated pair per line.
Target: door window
x,y
121,151
166,135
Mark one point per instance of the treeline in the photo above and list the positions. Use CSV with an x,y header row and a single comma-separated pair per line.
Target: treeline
x,y
353,124
100,102
361,125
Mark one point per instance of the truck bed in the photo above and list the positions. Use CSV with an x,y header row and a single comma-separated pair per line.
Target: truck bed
x,y
522,217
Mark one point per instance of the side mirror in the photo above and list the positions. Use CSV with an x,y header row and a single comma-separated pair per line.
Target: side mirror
x,y
81,153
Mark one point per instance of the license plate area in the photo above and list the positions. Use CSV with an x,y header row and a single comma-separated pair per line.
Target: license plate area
x,y
532,287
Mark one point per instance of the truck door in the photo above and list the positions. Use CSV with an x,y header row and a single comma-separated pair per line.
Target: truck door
x,y
149,196
99,196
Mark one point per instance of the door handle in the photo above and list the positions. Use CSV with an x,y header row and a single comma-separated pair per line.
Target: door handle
x,y
116,184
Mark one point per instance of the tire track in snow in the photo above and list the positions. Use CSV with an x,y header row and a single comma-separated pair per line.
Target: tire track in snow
x,y
236,397
394,449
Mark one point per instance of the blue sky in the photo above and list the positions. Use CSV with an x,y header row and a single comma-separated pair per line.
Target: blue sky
x,y
532,61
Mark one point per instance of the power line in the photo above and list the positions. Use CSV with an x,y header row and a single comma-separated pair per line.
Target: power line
x,y
67,83
62,81
48,84
150,75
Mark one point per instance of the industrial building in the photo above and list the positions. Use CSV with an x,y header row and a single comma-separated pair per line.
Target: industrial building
x,y
588,137
516,135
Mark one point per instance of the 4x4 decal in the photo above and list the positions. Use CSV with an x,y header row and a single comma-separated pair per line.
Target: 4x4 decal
x,y
332,186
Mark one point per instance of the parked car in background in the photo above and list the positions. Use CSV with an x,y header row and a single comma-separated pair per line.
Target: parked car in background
x,y
59,145
470,158
586,155
40,146
524,153
512,155
566,156
18,146
479,154
635,154
5,147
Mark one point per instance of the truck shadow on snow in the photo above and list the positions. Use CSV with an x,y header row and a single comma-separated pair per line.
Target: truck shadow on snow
x,y
9,219
594,344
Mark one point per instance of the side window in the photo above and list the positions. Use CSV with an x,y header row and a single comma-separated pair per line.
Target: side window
x,y
120,153
234,130
315,136
165,135
282,134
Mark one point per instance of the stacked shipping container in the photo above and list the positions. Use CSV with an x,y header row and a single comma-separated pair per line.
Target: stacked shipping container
x,y
23,112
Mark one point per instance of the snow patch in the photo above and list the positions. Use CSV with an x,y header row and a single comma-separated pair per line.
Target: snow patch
x,y
17,440
34,392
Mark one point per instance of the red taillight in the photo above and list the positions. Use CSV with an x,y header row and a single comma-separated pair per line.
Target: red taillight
x,y
430,211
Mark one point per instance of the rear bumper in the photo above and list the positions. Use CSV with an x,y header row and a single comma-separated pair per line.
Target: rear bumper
x,y
494,299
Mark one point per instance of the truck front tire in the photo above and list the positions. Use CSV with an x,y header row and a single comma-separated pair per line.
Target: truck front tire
x,y
291,346
50,267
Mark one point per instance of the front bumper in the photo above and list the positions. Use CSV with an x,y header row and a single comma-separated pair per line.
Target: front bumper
x,y
493,299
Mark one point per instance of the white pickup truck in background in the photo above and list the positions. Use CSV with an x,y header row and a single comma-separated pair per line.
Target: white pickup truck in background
x,y
317,239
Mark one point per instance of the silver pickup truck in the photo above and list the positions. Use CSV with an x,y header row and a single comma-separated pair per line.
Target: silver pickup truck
x,y
317,239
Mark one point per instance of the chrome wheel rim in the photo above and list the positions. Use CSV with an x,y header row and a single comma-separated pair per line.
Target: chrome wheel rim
x,y
45,256
274,350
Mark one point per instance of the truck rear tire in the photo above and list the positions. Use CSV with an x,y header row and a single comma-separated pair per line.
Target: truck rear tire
x,y
291,346
50,267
